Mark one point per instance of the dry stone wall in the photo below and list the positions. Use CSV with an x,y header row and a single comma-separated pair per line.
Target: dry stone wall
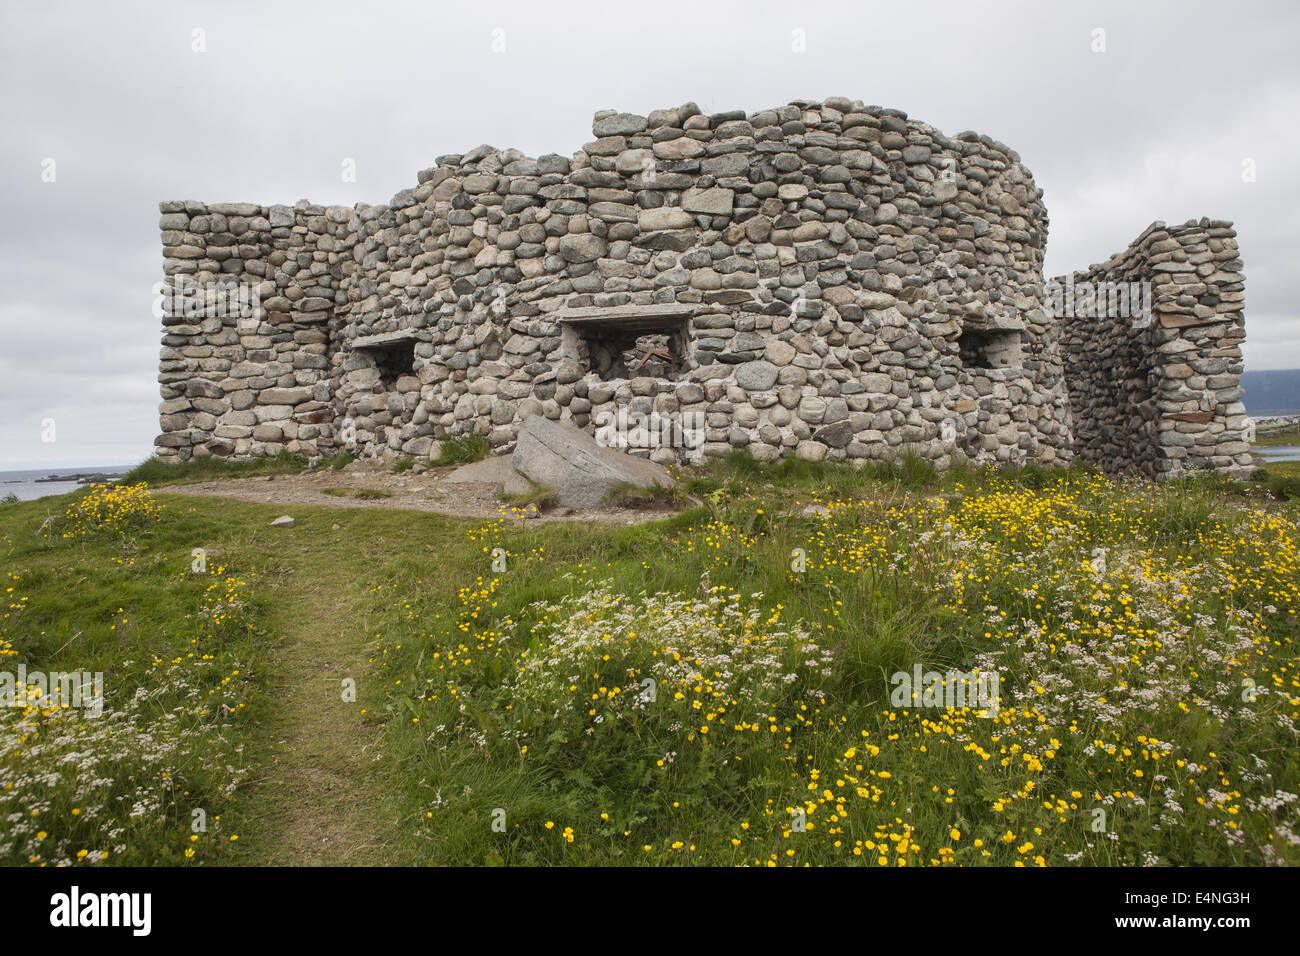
x,y
1155,390
249,373
822,279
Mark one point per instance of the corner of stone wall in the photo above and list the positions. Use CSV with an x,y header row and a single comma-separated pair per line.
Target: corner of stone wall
x,y
248,309
1152,346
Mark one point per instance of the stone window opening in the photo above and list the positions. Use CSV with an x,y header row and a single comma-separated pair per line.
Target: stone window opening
x,y
617,354
392,354
394,361
985,348
626,342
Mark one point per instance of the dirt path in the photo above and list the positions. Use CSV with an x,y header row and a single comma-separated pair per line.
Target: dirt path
x,y
431,492
318,793
319,797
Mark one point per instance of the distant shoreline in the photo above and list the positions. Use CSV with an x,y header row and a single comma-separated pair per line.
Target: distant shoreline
x,y
28,484
84,477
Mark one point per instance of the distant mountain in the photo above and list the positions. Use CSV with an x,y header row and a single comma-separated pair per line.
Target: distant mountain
x,y
1272,392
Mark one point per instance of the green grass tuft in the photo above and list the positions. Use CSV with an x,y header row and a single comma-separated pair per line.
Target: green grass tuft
x,y
462,450
157,473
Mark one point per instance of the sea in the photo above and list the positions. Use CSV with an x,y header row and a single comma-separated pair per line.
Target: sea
x,y
1279,453
24,486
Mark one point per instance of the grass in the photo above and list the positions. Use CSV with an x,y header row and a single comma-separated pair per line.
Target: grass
x,y
740,472
1281,479
341,461
1281,469
363,494
461,451
319,791
248,629
1267,436
884,583
128,601
501,673
542,498
158,473
656,497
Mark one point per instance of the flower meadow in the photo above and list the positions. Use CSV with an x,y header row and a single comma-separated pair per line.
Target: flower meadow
x,y
720,687
109,509
147,780
716,690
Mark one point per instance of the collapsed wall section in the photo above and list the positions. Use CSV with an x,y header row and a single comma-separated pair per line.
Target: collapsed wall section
x,y
1151,341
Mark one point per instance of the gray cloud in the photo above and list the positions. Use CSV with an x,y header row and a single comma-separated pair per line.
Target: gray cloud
x,y
1156,127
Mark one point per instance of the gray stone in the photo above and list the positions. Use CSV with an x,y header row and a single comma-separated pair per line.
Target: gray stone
x,y
715,201
665,217
756,376
618,124
496,470
581,472
582,247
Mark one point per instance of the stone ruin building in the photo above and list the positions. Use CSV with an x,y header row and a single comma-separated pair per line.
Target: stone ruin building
x,y
823,279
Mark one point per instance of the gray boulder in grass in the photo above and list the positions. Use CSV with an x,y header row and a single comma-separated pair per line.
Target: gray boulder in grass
x,y
581,472
491,471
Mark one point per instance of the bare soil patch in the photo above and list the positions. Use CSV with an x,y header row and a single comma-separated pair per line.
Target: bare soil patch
x,y
379,487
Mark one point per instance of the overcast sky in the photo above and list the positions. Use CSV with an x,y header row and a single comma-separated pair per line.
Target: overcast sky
x,y
1158,126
